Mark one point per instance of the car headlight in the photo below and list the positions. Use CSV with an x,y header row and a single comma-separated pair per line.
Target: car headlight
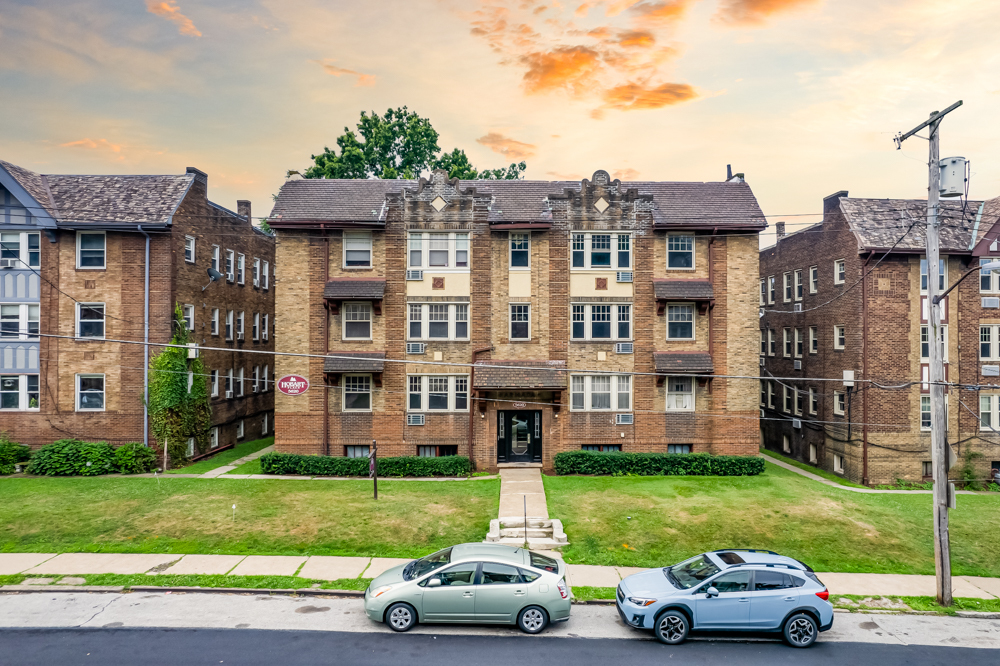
x,y
639,601
381,590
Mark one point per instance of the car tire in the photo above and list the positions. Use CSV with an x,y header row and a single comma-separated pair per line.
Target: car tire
x,y
672,627
800,630
532,620
401,617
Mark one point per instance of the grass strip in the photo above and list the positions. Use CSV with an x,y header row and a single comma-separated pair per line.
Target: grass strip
x,y
252,582
225,458
252,467
829,476
586,593
12,579
862,602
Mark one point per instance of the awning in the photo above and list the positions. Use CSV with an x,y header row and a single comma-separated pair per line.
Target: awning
x,y
683,290
683,363
526,375
369,361
354,289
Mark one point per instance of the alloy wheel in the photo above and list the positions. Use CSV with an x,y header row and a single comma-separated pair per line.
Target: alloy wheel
x,y
400,617
672,628
533,620
801,631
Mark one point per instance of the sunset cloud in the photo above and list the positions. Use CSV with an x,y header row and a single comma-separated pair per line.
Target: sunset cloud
x,y
333,70
635,96
755,12
636,38
668,11
170,11
92,144
625,174
567,67
511,148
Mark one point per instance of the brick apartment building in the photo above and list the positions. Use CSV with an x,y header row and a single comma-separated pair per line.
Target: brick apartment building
x,y
822,317
512,320
73,263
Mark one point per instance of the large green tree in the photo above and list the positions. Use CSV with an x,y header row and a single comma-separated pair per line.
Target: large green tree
x,y
399,144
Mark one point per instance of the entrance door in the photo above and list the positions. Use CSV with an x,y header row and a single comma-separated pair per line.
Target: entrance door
x,y
519,436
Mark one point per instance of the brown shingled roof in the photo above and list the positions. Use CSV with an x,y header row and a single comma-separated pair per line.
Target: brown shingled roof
x,y
879,223
520,375
683,363
369,361
683,290
355,289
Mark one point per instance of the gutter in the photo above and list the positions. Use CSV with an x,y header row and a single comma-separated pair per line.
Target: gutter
x,y
145,347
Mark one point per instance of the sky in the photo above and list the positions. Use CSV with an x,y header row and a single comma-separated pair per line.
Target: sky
x,y
802,96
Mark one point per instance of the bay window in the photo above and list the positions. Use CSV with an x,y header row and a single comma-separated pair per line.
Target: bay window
x,y
596,393
438,393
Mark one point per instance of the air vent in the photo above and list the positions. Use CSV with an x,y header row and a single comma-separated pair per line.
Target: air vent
x,y
797,307
414,419
991,302
991,371
415,347
414,275
798,365
623,348
192,350
623,419
797,423
624,276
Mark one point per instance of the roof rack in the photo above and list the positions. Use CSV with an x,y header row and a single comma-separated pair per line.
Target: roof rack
x,y
746,550
765,564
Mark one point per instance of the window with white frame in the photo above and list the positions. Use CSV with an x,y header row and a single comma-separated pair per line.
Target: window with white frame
x,y
680,252
989,342
813,279
680,321
800,399
357,393
19,392
230,319
601,321
770,394
266,327
989,405
813,401
763,342
239,382
839,271
239,429
771,342
786,340
942,275
256,272
91,249
763,292
798,343
989,281
90,320
189,249
213,438
438,251
266,279
230,265
356,451
263,425
787,397
839,403
20,246
19,321
357,321
255,379
520,321
229,383
215,258
838,463
770,290
239,324
601,250
812,453
520,250
786,445
925,347
357,249
90,393
813,340
215,321
241,269
597,393
267,377
438,393
213,381
255,332
438,321
763,393
925,412
839,337
680,394
798,285
786,283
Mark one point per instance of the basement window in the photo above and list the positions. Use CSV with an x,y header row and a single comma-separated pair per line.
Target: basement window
x,y
602,448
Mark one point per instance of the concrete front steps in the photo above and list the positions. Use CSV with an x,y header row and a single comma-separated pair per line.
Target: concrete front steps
x,y
542,533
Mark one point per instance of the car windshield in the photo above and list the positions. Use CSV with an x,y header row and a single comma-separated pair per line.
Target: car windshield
x,y
425,565
689,573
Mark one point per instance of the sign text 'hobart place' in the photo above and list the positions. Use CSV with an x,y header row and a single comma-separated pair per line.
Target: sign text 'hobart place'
x,y
293,385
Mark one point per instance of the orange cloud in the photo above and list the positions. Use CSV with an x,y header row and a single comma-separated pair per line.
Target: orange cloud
x,y
498,143
635,96
170,11
568,67
668,11
333,70
636,38
625,174
91,144
755,12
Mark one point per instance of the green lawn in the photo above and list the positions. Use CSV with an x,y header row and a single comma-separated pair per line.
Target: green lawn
x,y
252,467
225,458
259,582
830,476
828,528
176,515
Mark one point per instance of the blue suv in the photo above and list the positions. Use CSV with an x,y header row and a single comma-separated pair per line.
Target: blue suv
x,y
728,590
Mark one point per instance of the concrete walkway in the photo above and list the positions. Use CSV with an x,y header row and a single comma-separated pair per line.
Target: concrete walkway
x,y
219,471
834,484
519,485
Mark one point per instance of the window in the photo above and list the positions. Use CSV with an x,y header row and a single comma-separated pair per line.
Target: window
x,y
680,394
600,318
230,318
770,290
601,250
256,272
989,342
763,393
266,375
942,275
839,271
189,249
838,463
839,337
680,322
680,252
786,339
925,348
438,393
213,380
266,327
356,451
839,403
787,395
989,281
357,321
798,285
91,249
90,393
357,393
267,278
215,258
239,325
239,383
989,405
763,292
520,322
771,343
798,343
90,320
786,445
19,392
230,264
678,448
438,251
770,394
255,331
20,246
601,448
215,321
595,392
520,250
229,383
927,469
213,438
255,379
925,412
800,399
786,283
812,453
437,452
763,342
357,249
239,429
241,269
263,425
438,321
19,321
189,317
813,340
813,401
813,279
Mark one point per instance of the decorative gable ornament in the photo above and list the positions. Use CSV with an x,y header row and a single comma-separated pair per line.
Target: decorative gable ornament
x,y
439,203
601,205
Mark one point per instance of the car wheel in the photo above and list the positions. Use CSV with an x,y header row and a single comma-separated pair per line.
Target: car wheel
x,y
532,619
672,627
800,630
401,617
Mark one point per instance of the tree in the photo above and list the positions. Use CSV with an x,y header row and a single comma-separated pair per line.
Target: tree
x,y
399,144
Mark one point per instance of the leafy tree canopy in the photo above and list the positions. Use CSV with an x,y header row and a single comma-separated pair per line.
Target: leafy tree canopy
x,y
399,144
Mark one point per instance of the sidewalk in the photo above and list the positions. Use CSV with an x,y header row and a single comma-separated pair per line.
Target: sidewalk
x,y
834,484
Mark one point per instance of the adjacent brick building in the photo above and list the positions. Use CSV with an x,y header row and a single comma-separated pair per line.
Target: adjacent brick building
x,y
835,301
512,320
73,264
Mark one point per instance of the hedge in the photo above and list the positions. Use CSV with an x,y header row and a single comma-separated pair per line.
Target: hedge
x,y
12,454
291,463
656,464
71,457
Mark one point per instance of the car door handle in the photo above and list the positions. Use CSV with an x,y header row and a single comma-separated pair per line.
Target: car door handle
x,y
518,593
468,594
745,600
789,598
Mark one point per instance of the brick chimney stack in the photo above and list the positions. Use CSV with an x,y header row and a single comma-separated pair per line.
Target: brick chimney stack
x,y
779,229
243,208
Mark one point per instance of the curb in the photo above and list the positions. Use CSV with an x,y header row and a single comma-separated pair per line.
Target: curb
x,y
61,588
978,615
306,591
596,602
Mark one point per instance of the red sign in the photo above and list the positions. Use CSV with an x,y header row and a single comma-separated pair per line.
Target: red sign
x,y
293,385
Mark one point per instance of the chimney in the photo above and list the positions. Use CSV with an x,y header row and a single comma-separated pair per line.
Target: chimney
x,y
831,204
243,209
729,172
779,229
199,176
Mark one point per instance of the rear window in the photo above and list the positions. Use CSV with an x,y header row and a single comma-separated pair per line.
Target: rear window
x,y
543,562
814,578
730,558
529,576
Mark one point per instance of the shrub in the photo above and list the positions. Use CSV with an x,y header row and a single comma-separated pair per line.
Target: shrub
x,y
71,457
656,464
11,453
134,458
290,463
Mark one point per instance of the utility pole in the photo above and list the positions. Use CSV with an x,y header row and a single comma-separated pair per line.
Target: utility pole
x,y
939,408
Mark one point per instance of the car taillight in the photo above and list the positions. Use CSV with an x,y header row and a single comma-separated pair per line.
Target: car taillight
x,y
824,595
563,590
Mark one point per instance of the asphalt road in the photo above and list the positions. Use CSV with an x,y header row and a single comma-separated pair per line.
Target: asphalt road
x,y
153,647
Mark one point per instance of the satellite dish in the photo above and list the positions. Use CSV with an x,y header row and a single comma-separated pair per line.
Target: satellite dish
x,y
213,275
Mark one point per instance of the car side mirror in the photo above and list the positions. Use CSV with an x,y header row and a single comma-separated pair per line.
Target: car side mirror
x,y
434,582
711,592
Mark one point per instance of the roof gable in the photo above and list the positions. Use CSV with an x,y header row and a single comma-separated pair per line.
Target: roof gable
x,y
30,191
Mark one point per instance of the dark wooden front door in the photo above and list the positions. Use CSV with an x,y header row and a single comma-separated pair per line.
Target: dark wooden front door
x,y
519,436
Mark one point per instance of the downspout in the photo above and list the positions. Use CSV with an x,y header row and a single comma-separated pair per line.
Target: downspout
x,y
145,350
864,374
326,349
473,393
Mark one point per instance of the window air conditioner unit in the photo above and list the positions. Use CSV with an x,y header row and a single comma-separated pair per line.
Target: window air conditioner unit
x,y
239,336
415,347
762,413
988,302
414,275
256,282
624,276
623,347
10,263
415,419
229,394
762,361
623,419
798,365
255,389
231,276
797,423
192,350
797,307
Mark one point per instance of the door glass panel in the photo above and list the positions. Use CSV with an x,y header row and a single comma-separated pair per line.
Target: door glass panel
x,y
771,580
458,575
738,581
520,436
499,574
